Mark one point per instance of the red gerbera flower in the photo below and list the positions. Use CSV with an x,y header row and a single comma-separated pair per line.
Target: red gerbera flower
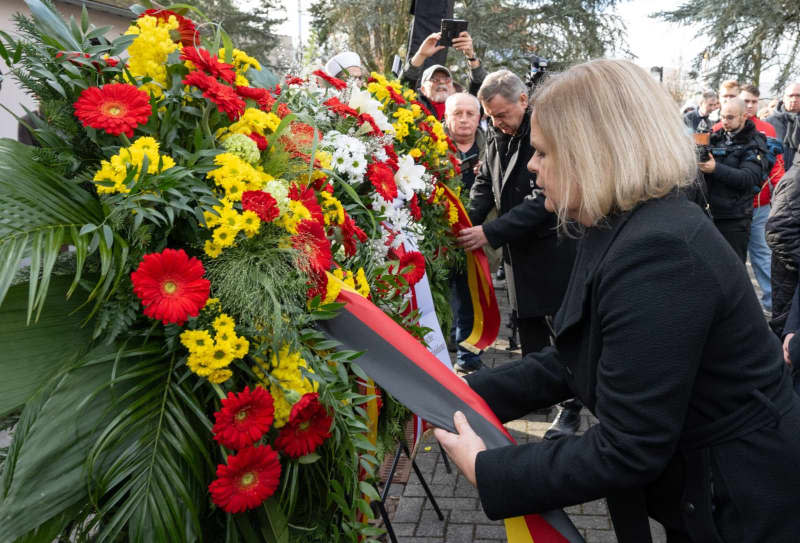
x,y
332,81
117,108
171,286
393,158
244,418
251,476
336,106
416,262
398,98
261,203
208,63
223,96
313,246
350,233
369,119
308,198
455,162
187,33
382,178
309,426
262,97
260,140
413,205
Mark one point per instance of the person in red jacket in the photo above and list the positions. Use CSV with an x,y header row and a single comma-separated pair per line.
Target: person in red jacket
x,y
759,252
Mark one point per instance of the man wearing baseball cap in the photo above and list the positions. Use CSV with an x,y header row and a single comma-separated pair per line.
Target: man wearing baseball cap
x,y
436,82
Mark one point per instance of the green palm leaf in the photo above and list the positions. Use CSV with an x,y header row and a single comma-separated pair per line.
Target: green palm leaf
x,y
44,474
151,464
42,211
29,359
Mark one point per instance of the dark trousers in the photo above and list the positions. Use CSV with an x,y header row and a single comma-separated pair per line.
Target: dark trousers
x,y
463,315
737,233
534,334
783,279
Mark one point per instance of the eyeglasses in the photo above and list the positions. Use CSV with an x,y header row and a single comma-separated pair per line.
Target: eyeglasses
x,y
440,80
728,117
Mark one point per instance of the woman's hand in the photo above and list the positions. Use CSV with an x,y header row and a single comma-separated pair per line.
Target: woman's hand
x,y
462,447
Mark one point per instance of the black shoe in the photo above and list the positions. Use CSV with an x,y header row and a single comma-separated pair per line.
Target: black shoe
x,y
500,274
468,367
567,422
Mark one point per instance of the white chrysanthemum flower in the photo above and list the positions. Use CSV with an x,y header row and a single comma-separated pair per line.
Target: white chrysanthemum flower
x,y
279,190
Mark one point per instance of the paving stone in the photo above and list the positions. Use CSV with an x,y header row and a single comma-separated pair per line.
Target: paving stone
x,y
429,524
600,536
404,529
490,531
597,507
416,489
459,533
469,517
468,504
594,522
408,510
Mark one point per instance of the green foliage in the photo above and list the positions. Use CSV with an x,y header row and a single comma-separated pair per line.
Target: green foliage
x,y
252,31
29,358
42,212
508,32
375,29
747,38
258,281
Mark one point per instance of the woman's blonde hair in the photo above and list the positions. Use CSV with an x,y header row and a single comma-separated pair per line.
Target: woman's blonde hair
x,y
615,135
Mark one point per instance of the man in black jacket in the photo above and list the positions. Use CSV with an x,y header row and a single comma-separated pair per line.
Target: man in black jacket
x,y
734,174
783,237
708,103
537,262
787,124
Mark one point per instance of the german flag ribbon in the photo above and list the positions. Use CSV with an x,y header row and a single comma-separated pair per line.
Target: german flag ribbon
x,y
403,367
486,324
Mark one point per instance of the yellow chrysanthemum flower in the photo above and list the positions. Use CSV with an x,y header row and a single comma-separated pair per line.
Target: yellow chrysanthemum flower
x,y
224,236
250,223
220,376
149,51
224,321
332,209
196,340
211,249
362,285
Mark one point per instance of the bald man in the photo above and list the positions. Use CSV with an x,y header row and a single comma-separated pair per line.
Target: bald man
x,y
734,174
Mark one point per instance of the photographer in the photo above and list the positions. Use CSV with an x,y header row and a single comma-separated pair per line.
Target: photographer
x,y
434,93
734,173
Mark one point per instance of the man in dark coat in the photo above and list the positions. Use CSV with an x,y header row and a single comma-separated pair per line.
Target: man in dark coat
x,y
708,103
783,237
537,261
734,174
786,122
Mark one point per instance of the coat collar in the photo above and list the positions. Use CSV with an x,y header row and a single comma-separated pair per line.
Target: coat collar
x,y
592,247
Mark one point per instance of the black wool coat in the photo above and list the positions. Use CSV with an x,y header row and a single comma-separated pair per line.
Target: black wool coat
x,y
540,259
662,338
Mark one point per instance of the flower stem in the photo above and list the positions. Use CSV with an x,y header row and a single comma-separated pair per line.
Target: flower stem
x,y
219,391
206,128
125,141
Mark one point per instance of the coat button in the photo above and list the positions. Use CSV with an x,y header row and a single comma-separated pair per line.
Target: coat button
x,y
690,508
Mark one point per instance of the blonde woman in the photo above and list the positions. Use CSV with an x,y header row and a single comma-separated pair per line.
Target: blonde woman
x,y
660,335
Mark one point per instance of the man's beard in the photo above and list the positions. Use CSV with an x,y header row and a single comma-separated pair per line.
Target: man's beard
x,y
440,95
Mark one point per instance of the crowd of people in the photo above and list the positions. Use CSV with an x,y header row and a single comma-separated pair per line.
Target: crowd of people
x,y
624,245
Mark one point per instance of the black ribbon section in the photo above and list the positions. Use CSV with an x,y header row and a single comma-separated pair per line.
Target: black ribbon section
x,y
408,382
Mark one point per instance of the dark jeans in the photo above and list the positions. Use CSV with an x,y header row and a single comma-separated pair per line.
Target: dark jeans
x,y
463,316
737,233
784,282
